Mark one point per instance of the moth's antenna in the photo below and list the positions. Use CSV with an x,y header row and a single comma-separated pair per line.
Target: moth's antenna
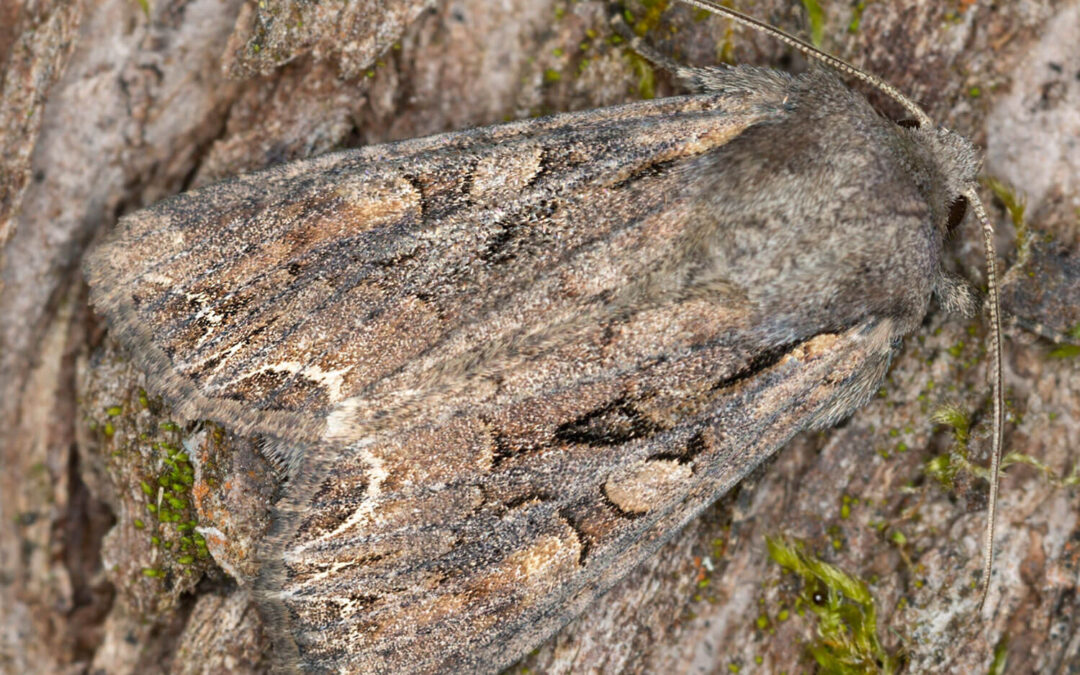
x,y
972,196
813,52
998,403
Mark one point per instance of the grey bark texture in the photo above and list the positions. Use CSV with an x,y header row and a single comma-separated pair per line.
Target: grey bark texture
x,y
108,106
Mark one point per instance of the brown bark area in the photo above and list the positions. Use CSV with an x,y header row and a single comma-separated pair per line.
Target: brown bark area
x,y
106,109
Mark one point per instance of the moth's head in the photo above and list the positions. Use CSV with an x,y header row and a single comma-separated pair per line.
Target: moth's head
x,y
958,165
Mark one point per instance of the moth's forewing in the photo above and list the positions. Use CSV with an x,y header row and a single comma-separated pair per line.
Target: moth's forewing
x,y
451,548
266,300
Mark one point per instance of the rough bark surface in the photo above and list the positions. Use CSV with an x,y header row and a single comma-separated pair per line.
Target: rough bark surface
x,y
107,107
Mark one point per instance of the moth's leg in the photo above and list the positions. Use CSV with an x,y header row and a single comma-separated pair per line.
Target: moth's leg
x,y
956,294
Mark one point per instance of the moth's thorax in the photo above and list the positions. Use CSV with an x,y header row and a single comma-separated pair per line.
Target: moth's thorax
x,y
800,224
944,165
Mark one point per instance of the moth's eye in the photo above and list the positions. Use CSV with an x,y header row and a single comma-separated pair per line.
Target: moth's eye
x,y
819,597
908,124
957,210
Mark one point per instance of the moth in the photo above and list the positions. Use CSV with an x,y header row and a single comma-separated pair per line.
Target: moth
x,y
502,366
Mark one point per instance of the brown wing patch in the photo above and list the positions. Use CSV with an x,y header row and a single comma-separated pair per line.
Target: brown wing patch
x,y
647,485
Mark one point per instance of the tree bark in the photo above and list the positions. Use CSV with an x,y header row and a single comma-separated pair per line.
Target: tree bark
x,y
109,106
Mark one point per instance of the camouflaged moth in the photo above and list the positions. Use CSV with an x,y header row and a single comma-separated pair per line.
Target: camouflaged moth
x,y
504,365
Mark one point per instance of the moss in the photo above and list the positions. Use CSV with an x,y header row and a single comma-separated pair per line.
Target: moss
x,y
1051,476
856,17
646,75
1001,657
174,529
816,16
649,19
145,452
945,467
1016,206
847,639
1065,351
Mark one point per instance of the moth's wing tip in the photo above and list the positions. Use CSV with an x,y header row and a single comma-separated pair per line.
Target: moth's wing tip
x,y
109,260
291,430
268,586
307,473
275,616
